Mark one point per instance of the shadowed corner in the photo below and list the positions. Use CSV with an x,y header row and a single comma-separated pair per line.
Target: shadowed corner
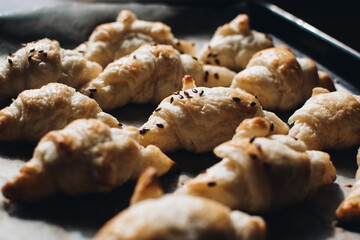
x,y
87,213
314,218
17,150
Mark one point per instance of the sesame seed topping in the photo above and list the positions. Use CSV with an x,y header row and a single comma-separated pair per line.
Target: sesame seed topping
x,y
40,51
91,95
211,184
201,92
208,62
271,127
253,156
92,89
143,131
177,43
195,58
81,51
10,54
216,76
217,61
182,52
159,125
181,96
134,57
157,109
215,54
10,61
194,90
176,93
186,93
209,55
236,99
120,124
171,100
45,54
32,50
252,104
252,139
206,73
29,57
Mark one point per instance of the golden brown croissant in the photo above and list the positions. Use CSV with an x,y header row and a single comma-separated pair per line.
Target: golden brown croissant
x,y
87,156
279,80
112,41
233,44
177,216
328,120
150,74
261,174
349,210
199,118
38,111
42,62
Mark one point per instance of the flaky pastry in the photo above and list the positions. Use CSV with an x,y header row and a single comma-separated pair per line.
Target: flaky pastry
x,y
87,156
349,209
279,80
42,62
111,41
179,217
198,118
150,74
233,44
35,112
328,120
261,174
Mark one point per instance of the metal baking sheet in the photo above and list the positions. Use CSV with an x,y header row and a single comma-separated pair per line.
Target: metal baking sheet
x,y
80,217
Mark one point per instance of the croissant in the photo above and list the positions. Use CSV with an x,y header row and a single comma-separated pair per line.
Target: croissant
x,y
38,111
112,41
150,74
279,80
42,62
180,217
261,174
87,156
233,44
349,209
328,120
199,118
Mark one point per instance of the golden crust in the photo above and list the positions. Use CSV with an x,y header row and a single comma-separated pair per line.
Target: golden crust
x,y
87,156
279,80
42,62
38,111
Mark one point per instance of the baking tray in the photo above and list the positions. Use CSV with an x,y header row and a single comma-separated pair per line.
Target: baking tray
x,y
80,217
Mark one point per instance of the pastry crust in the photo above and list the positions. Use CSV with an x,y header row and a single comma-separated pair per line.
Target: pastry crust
x,y
279,80
150,74
233,44
42,62
198,119
261,174
87,156
35,112
338,111
349,209
179,217
112,41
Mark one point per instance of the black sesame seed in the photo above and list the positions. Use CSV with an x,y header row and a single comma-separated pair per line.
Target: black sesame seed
x,y
194,90
189,97
215,54
159,125
91,95
10,54
134,57
143,131
253,156
80,51
208,62
211,184
92,89
176,93
45,54
171,100
216,76
29,57
236,99
217,61
252,104
252,139
32,50
195,58
10,61
177,43
296,139
182,52
209,55
181,96
157,109
40,51
120,124
186,94
201,92
271,127
206,78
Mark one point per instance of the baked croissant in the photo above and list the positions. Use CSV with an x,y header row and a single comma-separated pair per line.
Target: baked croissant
x,y
261,174
112,41
87,156
179,217
199,118
42,62
38,111
328,120
150,74
279,80
233,44
349,210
